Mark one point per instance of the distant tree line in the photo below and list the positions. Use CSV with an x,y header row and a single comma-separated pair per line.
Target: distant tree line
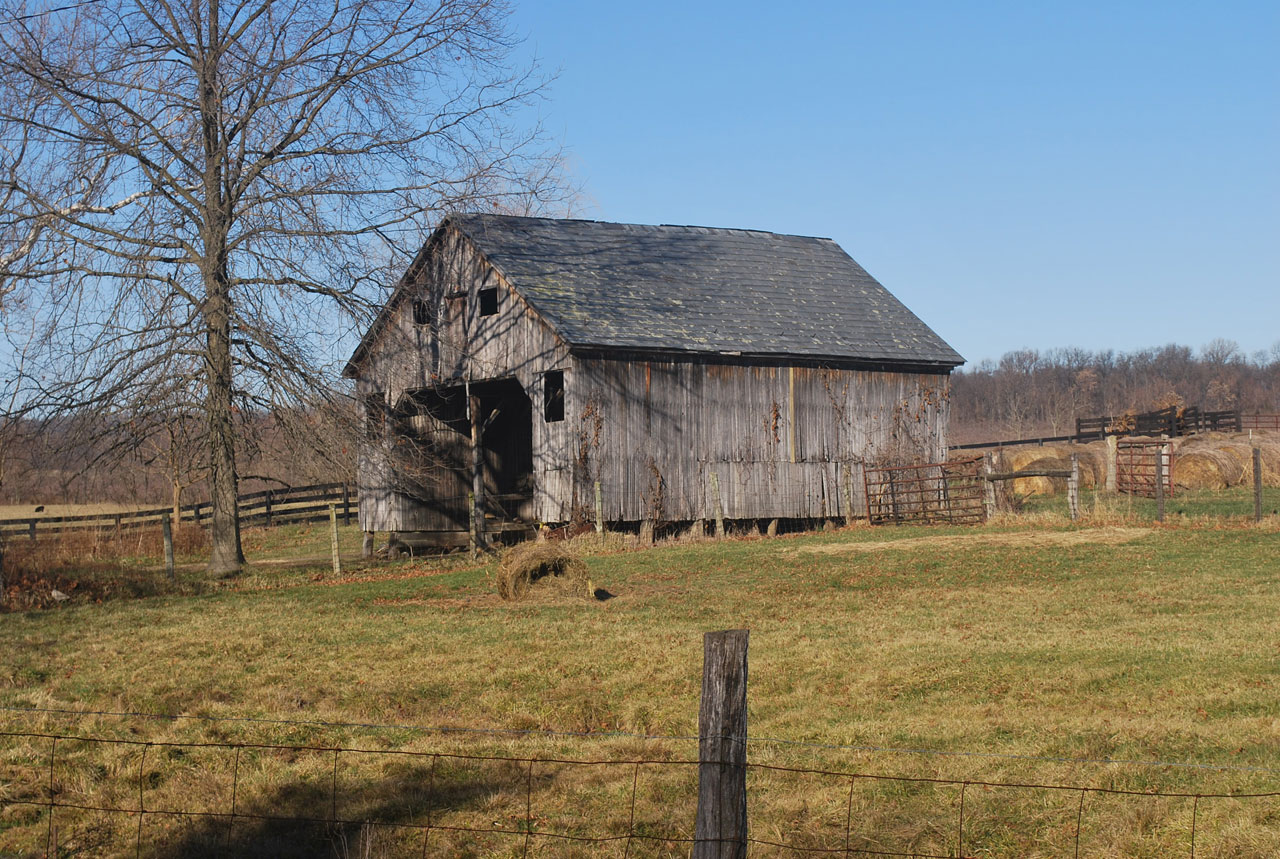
x,y
160,459
1032,393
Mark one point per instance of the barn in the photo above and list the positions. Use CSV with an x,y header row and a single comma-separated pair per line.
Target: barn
x,y
537,370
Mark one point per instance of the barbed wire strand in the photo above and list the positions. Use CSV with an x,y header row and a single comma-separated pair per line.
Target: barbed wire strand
x,y
528,833
608,735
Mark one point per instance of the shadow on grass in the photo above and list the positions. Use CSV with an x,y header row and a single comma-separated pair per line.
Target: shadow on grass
x,y
297,820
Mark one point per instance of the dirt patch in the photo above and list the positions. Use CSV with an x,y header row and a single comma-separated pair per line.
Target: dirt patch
x,y
1029,539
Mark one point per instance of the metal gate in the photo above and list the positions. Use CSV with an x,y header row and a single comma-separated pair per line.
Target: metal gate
x,y
949,492
1137,463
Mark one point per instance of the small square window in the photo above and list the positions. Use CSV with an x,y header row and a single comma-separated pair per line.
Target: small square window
x,y
553,396
489,301
421,312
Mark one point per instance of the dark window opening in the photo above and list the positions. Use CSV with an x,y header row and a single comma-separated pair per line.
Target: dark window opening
x,y
489,301
553,396
375,416
422,312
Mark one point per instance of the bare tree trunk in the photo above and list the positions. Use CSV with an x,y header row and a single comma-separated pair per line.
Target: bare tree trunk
x,y
177,501
227,556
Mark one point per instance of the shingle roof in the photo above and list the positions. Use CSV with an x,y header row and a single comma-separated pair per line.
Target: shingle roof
x,y
698,290
703,290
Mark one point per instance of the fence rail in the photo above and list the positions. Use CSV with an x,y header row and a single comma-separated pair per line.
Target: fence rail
x,y
1162,422
269,507
1260,421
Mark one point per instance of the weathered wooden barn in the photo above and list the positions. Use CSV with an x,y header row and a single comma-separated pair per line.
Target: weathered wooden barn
x,y
672,367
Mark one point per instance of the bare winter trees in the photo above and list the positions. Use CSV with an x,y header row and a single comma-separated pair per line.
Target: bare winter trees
x,y
1029,392
201,198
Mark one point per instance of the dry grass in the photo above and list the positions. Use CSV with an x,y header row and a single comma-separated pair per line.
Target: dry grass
x,y
28,511
1032,652
1038,539
90,565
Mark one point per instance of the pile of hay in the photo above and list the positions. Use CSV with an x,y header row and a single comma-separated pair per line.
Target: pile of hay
x,y
528,563
1206,468
1092,459
1220,461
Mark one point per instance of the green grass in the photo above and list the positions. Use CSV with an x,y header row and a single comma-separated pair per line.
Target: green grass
x,y
1023,639
1234,503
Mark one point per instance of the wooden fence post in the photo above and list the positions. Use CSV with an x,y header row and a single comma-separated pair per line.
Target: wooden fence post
x,y
599,510
346,504
1073,488
270,523
717,508
31,530
366,545
988,485
1113,449
333,539
1160,483
166,530
1257,484
720,831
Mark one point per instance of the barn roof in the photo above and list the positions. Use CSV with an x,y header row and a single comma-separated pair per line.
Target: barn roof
x,y
701,290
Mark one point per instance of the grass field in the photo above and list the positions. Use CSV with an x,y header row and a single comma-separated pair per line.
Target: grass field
x,y
1023,651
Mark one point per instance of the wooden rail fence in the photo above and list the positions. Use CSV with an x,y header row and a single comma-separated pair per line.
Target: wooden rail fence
x,y
269,507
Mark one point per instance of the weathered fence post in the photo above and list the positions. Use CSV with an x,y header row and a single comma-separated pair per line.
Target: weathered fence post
x,y
366,545
333,539
717,508
31,530
166,530
1073,488
599,510
346,504
1257,484
988,485
1113,452
847,479
1160,483
268,497
720,831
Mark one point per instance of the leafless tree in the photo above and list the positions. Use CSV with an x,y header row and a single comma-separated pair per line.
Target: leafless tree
x,y
233,183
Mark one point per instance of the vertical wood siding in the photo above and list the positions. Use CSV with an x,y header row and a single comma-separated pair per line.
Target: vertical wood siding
x,y
780,439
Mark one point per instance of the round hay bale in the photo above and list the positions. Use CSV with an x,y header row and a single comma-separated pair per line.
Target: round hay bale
x,y
1205,468
529,563
1048,458
1038,485
1270,463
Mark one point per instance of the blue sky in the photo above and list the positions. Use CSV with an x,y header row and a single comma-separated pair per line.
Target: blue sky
x,y
1103,175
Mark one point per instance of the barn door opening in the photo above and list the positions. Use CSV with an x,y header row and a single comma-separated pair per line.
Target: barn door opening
x,y
505,415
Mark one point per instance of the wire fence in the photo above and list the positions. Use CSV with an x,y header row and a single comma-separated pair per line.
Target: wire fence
x,y
86,792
